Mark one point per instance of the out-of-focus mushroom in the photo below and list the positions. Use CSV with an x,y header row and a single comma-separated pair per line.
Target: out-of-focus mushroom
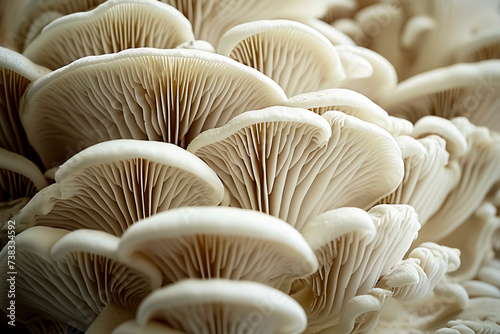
x,y
144,93
17,72
354,249
113,26
111,185
36,14
480,172
220,242
222,306
469,90
210,20
294,55
74,277
295,165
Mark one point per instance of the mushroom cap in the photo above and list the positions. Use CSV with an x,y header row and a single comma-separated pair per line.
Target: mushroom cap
x,y
297,57
113,26
71,277
480,172
17,72
219,242
161,95
111,185
345,100
354,249
223,306
211,19
294,164
470,90
430,175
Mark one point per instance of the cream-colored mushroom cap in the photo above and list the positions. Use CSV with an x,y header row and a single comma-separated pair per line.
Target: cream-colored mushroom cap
x,y
294,55
295,164
470,90
219,242
111,185
72,276
113,26
145,93
223,306
354,249
17,72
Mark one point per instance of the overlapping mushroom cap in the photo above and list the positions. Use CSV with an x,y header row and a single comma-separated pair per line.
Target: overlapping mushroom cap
x,y
294,164
220,242
111,185
160,95
113,26
354,249
71,277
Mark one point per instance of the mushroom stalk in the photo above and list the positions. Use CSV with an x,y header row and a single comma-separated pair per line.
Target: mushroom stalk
x,y
111,317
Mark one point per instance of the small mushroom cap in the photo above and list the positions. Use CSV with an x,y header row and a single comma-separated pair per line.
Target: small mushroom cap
x,y
318,176
297,57
113,26
219,242
216,306
159,95
111,185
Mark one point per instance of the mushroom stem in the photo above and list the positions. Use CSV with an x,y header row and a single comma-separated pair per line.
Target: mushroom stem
x,y
111,317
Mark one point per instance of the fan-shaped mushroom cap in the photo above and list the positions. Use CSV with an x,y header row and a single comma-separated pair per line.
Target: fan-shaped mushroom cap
x,y
219,242
211,19
354,249
111,185
416,277
294,164
297,57
36,14
470,90
17,72
474,237
334,35
480,172
72,276
429,175
378,78
345,100
160,95
113,26
483,47
222,306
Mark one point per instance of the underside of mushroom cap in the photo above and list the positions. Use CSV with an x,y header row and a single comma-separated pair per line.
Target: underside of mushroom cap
x,y
470,90
111,185
161,95
297,57
354,249
58,278
113,26
219,242
260,152
223,306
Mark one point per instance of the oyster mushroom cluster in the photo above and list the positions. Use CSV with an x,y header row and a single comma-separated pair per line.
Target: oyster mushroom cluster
x,y
250,166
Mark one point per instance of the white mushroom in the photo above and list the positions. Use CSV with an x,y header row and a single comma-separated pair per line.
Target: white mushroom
x,y
111,185
354,249
222,306
73,276
294,55
219,242
160,95
294,164
469,90
113,26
